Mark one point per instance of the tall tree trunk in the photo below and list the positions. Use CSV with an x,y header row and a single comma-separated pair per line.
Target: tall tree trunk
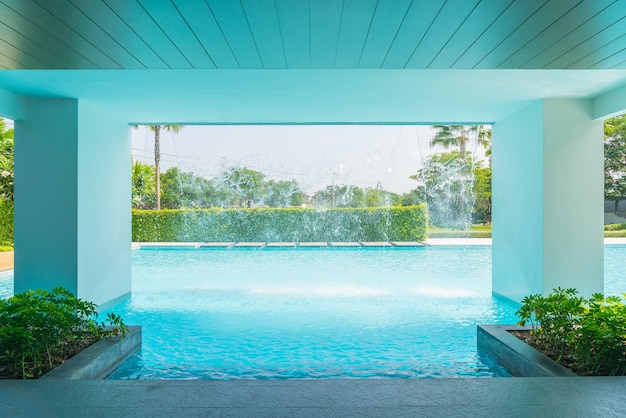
x,y
157,165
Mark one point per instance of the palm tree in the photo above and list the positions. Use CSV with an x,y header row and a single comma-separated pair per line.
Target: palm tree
x,y
459,135
157,156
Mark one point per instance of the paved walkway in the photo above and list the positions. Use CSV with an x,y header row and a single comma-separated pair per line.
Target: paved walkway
x,y
6,260
500,397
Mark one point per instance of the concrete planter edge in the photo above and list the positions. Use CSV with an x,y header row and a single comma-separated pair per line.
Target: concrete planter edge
x,y
100,359
520,359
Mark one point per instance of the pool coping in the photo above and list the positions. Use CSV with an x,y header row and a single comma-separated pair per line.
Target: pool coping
x,y
100,359
519,358
278,244
427,242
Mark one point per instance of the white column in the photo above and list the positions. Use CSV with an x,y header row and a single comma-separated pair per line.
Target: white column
x,y
72,200
547,200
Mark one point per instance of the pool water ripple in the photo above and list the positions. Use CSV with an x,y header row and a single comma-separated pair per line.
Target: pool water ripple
x,y
296,314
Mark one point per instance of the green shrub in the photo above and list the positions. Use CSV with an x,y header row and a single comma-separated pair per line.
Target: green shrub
x,y
587,335
615,234
40,329
6,225
401,223
615,227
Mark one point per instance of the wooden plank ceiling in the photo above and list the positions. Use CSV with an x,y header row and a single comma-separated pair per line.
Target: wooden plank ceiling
x,y
317,34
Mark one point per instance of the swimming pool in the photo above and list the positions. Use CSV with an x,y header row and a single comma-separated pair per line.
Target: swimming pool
x,y
311,313
318,313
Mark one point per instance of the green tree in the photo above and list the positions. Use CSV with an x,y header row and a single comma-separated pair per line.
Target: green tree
x,y
142,186
482,194
246,185
186,190
224,196
445,184
460,135
340,196
157,129
615,159
7,170
345,196
283,193
376,197
437,169
414,197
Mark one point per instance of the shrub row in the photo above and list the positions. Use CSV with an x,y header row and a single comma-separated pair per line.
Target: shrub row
x,y
6,224
401,223
615,227
621,233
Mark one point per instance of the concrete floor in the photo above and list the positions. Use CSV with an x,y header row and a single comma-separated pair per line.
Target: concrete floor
x,y
502,397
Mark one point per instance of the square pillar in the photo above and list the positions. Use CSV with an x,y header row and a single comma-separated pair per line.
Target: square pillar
x,y
548,187
72,200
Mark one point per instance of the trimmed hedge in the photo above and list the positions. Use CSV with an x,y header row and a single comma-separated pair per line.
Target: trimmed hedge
x,y
615,227
615,234
6,224
398,223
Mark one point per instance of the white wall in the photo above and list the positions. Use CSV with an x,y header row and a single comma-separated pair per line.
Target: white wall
x,y
546,154
574,172
104,201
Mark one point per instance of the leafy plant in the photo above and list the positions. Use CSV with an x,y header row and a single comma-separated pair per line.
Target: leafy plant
x,y
40,329
587,335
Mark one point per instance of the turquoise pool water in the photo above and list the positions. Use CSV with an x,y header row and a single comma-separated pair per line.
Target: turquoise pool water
x,y
320,313
311,313
6,284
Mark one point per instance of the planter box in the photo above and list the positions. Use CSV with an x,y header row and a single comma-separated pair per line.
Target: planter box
x,y
100,359
515,355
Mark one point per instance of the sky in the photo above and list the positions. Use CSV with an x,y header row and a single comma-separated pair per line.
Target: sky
x,y
314,155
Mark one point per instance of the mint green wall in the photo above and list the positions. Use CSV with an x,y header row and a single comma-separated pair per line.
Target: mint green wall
x,y
45,195
12,106
609,104
517,205
547,200
72,216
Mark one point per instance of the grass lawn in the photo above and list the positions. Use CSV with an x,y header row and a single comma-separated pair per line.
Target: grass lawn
x,y
615,231
476,231
484,231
